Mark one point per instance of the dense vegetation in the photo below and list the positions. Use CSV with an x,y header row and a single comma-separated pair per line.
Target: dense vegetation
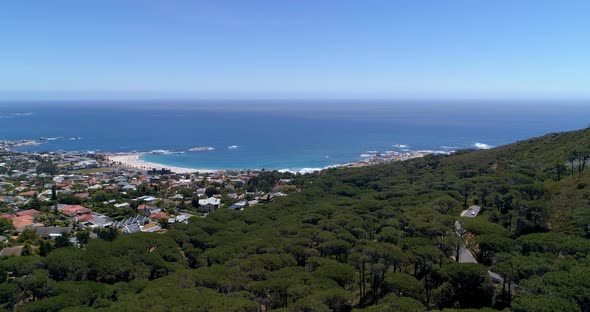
x,y
380,238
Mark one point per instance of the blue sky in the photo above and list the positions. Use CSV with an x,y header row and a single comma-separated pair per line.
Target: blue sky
x,y
295,49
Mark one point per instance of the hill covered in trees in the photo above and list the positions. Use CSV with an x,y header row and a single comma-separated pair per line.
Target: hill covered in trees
x,y
379,238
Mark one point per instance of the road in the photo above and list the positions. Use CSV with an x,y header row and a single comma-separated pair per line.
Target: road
x,y
471,212
465,256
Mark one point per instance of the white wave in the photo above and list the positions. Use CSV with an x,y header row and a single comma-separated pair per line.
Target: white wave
x,y
368,155
53,139
304,170
309,170
201,148
482,145
15,115
449,147
400,145
435,152
165,152
232,147
372,152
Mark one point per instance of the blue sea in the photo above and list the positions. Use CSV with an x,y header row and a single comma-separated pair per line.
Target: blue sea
x,y
281,134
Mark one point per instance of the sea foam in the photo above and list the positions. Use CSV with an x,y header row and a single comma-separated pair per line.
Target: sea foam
x,y
306,170
164,152
15,115
482,145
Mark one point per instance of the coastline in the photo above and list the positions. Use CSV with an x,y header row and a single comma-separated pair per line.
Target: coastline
x,y
133,160
376,160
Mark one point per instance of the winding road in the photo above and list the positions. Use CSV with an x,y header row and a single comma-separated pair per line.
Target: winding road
x,y
465,256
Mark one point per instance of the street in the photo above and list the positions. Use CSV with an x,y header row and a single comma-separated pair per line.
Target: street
x,y
465,255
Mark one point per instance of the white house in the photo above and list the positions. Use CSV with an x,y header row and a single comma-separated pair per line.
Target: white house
x,y
210,203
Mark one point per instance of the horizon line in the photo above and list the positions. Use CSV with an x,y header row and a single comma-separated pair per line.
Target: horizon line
x,y
287,99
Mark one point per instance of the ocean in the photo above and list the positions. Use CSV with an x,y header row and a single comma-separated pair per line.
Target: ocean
x,y
282,134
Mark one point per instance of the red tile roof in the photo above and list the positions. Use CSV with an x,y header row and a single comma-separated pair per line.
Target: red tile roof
x,y
72,210
85,217
6,216
30,212
20,222
160,215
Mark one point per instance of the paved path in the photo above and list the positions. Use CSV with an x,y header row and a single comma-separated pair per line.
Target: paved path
x,y
471,212
465,256
496,278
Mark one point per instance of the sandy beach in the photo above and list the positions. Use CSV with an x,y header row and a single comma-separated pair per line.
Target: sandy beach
x,y
134,161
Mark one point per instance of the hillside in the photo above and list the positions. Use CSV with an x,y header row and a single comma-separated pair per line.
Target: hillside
x,y
378,238
569,200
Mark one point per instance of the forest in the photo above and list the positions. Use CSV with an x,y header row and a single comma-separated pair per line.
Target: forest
x,y
377,238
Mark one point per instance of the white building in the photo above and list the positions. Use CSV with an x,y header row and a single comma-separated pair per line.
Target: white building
x,y
210,203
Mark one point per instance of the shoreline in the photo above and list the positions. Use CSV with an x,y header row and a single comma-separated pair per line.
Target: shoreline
x,y
132,160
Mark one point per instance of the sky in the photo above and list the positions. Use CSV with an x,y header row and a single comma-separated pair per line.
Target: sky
x,y
294,49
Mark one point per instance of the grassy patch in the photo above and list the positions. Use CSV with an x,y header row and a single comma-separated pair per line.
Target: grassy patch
x,y
571,204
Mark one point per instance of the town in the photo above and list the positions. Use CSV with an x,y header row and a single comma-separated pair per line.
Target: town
x,y
53,199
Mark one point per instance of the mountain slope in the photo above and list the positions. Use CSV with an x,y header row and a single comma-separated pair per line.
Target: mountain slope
x,y
378,238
